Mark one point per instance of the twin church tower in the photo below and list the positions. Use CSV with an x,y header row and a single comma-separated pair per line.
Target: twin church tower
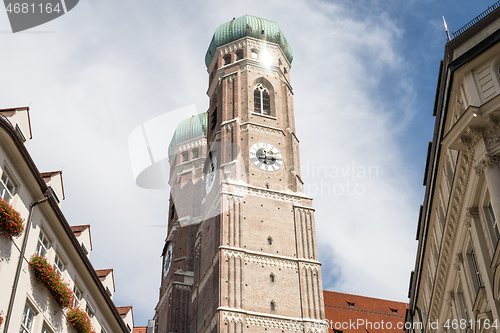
x,y
240,253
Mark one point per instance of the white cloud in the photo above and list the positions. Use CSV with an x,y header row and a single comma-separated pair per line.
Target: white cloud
x,y
110,66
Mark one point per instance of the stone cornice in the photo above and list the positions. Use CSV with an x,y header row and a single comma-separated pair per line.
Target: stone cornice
x,y
262,128
269,259
240,189
272,321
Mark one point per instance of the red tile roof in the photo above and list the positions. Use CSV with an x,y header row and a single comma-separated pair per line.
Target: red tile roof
x,y
123,310
140,329
352,313
78,229
48,175
102,273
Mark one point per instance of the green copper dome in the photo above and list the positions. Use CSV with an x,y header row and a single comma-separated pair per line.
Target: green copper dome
x,y
188,129
250,26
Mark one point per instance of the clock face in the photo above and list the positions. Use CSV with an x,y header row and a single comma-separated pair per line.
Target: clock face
x,y
211,174
167,260
266,157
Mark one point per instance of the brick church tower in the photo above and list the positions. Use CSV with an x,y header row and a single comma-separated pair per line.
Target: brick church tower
x,y
241,255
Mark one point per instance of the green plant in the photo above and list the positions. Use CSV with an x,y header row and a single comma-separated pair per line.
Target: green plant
x,y
80,321
11,223
54,284
1,318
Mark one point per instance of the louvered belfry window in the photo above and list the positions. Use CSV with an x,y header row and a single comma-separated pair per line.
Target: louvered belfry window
x,y
261,100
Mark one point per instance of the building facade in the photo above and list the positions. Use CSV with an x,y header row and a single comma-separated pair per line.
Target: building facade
x,y
26,305
241,255
455,286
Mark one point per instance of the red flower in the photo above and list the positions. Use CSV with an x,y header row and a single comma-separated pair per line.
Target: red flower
x,y
80,321
11,223
54,284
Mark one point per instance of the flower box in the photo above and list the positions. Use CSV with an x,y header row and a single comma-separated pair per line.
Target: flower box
x,y
11,223
54,284
80,321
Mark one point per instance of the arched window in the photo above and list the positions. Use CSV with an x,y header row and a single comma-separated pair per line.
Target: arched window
x,y
227,60
270,240
255,55
261,100
195,153
239,55
273,306
185,156
271,277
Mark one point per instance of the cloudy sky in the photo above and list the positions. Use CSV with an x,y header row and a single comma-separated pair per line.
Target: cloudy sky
x,y
364,75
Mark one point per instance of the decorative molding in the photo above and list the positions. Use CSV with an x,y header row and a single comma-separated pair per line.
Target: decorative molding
x,y
272,323
262,128
232,317
260,70
266,193
232,47
233,254
454,216
198,143
227,125
487,161
270,261
309,267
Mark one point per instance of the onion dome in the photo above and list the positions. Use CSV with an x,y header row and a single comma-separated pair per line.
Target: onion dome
x,y
188,129
250,26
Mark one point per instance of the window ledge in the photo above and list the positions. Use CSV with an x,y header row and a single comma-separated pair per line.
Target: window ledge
x,y
263,115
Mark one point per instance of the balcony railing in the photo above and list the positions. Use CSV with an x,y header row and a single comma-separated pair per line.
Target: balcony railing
x,y
477,19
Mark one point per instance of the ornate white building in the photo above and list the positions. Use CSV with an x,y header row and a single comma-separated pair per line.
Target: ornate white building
x,y
26,305
455,286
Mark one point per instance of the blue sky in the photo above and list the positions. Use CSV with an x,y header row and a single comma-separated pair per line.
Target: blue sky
x,y
364,76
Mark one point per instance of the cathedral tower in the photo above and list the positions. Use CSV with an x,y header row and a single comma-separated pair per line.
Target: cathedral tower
x,y
253,248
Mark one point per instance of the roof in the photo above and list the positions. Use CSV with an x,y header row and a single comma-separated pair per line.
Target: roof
x,y
384,315
7,129
140,329
78,229
190,128
21,108
123,310
102,273
49,175
250,26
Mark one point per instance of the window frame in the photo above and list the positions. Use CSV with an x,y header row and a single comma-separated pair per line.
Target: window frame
x,y
58,260
77,300
4,189
40,244
31,311
261,94
90,313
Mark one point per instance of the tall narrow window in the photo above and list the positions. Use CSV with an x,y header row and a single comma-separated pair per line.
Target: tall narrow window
x,y
195,153
227,60
476,269
7,188
271,277
43,245
239,55
58,265
28,316
261,99
90,310
78,296
213,119
494,222
185,156
273,306
270,240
